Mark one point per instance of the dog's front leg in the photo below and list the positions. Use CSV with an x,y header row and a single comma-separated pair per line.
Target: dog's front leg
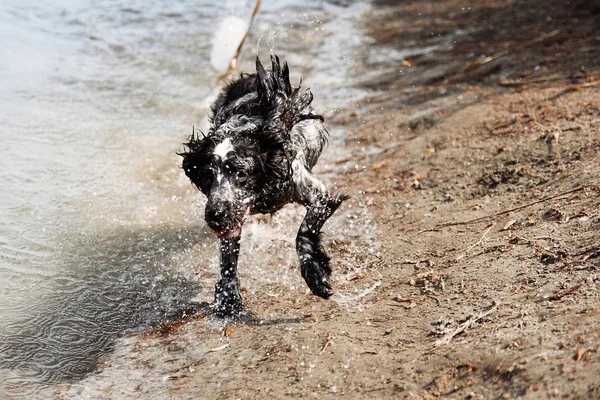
x,y
228,301
314,262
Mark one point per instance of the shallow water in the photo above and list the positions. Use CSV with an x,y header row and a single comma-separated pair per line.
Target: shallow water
x,y
101,234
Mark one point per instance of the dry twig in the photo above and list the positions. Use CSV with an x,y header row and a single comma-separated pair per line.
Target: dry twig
x,y
327,343
547,78
448,337
504,52
479,241
238,52
565,292
218,348
480,219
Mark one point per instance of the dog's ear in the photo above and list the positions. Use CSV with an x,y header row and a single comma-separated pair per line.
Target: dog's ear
x,y
195,156
273,83
282,107
264,87
281,73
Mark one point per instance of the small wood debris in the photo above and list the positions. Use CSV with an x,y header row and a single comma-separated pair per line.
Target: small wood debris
x,y
368,351
357,276
429,277
448,337
429,281
554,214
442,327
169,328
327,342
565,292
378,165
218,348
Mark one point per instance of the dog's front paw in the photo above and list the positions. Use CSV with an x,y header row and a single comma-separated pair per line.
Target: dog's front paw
x,y
228,302
227,307
316,272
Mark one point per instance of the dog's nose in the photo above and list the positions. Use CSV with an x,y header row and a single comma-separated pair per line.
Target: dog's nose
x,y
215,216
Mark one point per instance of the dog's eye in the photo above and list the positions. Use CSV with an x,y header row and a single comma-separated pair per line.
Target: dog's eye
x,y
241,176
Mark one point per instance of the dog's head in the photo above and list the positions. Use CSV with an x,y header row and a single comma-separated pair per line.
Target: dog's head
x,y
225,166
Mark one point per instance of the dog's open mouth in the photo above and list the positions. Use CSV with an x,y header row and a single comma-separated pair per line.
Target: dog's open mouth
x,y
229,233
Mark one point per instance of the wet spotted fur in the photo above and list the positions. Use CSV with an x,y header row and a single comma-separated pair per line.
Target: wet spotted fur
x,y
257,157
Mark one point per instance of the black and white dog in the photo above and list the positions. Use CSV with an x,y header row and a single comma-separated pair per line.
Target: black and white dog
x,y
257,157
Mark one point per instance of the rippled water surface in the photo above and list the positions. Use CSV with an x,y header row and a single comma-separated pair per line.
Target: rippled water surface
x,y
98,223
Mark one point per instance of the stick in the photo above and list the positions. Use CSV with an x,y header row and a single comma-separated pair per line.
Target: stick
x,y
236,57
448,337
577,189
565,292
479,241
554,77
510,50
327,343
218,348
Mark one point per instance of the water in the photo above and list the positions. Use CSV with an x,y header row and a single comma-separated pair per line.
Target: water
x,y
101,233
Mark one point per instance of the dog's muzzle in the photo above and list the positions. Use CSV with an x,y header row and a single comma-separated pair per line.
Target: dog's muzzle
x,y
227,232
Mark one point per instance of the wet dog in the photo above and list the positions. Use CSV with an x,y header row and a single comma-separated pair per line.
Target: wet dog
x,y
257,157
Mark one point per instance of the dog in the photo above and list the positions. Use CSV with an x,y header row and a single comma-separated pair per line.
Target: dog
x,y
257,156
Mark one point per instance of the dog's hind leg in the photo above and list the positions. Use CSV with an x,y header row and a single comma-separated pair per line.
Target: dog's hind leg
x,y
320,205
228,301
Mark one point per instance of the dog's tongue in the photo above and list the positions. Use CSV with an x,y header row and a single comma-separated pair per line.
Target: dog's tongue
x,y
246,213
229,233
218,232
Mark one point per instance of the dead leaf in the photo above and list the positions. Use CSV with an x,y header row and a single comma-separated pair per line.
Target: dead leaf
x,y
228,331
357,276
508,225
581,352
520,288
